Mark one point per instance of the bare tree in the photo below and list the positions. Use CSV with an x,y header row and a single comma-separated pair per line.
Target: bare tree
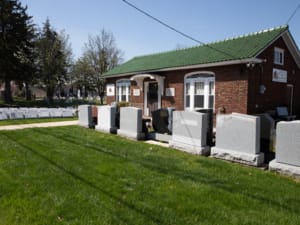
x,y
102,54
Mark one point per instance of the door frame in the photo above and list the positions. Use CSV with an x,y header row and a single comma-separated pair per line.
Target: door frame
x,y
146,89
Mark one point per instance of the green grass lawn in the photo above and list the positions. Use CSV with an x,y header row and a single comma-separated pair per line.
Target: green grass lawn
x,y
37,120
72,175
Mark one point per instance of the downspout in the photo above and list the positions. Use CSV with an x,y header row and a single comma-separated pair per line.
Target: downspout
x,y
292,95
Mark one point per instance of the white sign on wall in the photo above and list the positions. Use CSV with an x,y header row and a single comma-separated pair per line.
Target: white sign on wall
x,y
170,92
136,92
110,90
279,76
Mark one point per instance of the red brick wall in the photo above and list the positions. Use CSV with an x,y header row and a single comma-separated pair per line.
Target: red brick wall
x,y
276,93
230,89
237,86
110,99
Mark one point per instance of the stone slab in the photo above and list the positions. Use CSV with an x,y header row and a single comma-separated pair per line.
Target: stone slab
x,y
85,118
68,112
238,139
43,113
189,132
288,143
159,137
286,169
31,113
17,114
55,112
238,132
3,115
131,123
107,119
240,157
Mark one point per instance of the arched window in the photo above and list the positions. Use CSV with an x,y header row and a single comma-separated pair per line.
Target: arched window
x,y
199,90
123,90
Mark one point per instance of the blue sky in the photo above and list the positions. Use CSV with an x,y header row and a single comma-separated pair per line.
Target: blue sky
x,y
136,34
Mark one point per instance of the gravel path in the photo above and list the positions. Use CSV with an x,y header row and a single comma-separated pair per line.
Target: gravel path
x,y
33,125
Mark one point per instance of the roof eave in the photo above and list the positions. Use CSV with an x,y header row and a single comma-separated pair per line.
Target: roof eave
x,y
197,66
292,46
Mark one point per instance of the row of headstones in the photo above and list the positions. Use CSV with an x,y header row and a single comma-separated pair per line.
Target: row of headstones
x,y
130,120
238,136
31,113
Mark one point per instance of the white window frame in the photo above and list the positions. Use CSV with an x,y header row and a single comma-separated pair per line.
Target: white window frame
x,y
123,83
206,78
278,56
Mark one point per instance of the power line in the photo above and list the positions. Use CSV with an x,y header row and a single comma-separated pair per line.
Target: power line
x,y
293,14
174,29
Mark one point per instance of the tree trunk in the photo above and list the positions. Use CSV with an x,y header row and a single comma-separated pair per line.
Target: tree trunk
x,y
27,92
101,94
7,92
50,93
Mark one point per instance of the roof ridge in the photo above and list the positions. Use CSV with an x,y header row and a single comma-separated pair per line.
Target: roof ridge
x,y
216,42
249,34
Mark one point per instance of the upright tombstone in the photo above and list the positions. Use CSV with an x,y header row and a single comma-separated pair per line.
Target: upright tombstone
x,y
43,113
287,158
267,131
67,112
189,132
162,124
107,119
17,113
55,112
4,114
170,118
160,121
131,123
238,139
31,113
85,118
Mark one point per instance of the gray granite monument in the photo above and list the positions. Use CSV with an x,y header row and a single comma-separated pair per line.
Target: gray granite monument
x,y
107,119
131,123
85,118
287,159
238,139
189,132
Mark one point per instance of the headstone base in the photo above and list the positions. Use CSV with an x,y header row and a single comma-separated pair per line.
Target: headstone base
x,y
197,150
132,135
240,157
159,137
85,125
112,130
286,169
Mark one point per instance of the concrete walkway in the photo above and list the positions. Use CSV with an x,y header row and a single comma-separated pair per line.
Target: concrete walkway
x,y
34,125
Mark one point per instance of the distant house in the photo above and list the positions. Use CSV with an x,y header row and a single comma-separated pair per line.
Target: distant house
x,y
248,74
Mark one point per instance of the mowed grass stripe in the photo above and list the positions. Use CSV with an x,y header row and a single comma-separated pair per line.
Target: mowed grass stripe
x,y
71,175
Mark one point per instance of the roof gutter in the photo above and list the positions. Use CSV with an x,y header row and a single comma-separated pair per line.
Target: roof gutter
x,y
198,66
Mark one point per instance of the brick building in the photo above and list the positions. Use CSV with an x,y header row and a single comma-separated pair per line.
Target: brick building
x,y
249,74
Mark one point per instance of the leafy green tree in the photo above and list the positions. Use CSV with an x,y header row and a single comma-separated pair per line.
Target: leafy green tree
x,y
101,54
16,45
83,74
53,61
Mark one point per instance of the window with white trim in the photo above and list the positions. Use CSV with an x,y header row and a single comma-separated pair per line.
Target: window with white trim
x,y
199,91
123,90
278,56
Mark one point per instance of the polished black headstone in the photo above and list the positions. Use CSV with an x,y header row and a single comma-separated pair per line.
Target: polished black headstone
x,y
160,121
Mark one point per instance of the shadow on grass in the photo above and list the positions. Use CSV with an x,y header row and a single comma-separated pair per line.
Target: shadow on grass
x,y
150,162
147,216
169,168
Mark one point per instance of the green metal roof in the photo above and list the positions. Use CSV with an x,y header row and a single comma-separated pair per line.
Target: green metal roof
x,y
242,47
